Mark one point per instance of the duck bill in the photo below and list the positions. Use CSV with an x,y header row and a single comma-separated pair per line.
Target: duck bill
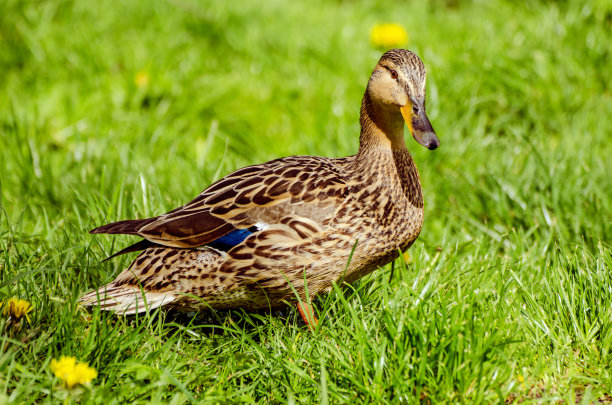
x,y
420,127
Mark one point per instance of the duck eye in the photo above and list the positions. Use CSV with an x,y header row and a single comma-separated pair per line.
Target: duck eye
x,y
394,73
415,110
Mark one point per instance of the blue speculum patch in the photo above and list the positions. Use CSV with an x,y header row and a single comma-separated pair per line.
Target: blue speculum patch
x,y
229,240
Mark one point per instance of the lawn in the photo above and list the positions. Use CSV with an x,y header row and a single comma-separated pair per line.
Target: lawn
x,y
113,110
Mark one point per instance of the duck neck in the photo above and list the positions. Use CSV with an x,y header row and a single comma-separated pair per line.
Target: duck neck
x,y
380,126
383,152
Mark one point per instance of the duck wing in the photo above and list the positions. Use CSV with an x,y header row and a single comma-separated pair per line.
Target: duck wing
x,y
251,198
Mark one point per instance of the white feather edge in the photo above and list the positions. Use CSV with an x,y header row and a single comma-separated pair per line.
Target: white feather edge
x,y
126,300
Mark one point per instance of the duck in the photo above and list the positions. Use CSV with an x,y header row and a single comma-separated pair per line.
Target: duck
x,y
282,232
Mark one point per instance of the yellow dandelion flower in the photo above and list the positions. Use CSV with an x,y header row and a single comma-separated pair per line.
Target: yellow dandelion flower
x,y
389,35
16,309
72,372
407,258
142,78
521,379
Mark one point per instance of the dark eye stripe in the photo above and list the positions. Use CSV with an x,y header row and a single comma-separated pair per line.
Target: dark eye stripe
x,y
393,72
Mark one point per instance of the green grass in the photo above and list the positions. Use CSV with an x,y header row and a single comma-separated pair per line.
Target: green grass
x,y
508,294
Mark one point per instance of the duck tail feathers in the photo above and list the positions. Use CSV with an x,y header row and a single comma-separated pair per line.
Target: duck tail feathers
x,y
126,300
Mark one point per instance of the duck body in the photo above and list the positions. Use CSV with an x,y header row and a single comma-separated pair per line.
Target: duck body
x,y
282,231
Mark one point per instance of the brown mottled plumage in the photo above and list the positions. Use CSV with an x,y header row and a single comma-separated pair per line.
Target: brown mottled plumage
x,y
303,216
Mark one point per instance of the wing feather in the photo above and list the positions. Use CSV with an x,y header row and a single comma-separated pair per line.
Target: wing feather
x,y
243,198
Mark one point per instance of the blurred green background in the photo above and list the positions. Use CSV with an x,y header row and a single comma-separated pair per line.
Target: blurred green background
x,y
112,110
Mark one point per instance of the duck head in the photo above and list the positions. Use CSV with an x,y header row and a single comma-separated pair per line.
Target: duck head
x,y
396,94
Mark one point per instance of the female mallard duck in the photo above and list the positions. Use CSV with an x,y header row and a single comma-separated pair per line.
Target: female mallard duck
x,y
286,229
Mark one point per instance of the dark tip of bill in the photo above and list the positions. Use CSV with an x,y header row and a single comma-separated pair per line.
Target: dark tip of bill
x,y
433,144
